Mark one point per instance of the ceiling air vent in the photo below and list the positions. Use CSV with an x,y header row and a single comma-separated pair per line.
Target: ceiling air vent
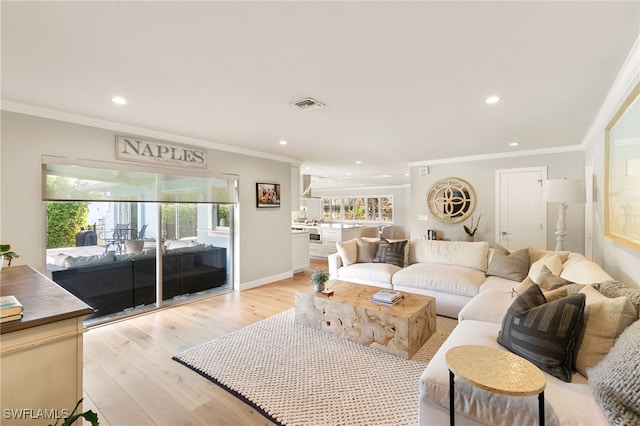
x,y
307,104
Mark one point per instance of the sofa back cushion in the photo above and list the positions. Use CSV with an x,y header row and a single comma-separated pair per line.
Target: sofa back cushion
x,y
455,253
583,271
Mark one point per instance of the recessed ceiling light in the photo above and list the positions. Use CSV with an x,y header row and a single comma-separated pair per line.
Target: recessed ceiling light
x,y
514,143
119,100
358,162
283,142
406,174
384,176
348,173
307,168
493,99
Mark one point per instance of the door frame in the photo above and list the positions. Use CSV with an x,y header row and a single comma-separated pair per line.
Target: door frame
x,y
498,173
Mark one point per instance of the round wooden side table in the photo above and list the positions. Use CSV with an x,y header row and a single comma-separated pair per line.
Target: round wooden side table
x,y
496,371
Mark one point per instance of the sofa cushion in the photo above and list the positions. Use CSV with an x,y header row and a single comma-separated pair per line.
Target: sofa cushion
x,y
617,289
604,319
366,250
565,403
583,272
616,382
348,251
80,261
456,253
544,333
443,278
369,272
512,266
492,303
551,262
389,252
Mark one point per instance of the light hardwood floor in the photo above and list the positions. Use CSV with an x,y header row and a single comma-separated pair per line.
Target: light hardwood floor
x,y
130,378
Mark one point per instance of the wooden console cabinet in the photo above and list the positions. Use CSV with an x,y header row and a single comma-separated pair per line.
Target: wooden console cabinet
x,y
40,355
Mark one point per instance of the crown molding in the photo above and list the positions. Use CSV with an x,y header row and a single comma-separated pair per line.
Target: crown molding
x,y
68,117
498,155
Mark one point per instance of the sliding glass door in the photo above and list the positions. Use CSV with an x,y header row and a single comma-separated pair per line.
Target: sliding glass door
x,y
124,240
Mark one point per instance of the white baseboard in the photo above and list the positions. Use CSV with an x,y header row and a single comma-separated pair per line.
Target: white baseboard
x,y
265,280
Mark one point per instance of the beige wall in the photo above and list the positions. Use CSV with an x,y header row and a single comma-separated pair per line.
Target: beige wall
x,y
263,255
481,175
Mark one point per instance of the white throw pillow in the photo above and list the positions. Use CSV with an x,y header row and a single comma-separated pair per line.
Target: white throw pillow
x,y
584,272
348,251
552,262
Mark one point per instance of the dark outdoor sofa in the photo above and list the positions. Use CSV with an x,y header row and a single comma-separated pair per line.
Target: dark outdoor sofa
x,y
129,280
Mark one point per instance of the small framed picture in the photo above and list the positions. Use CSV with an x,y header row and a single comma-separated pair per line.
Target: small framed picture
x,y
267,195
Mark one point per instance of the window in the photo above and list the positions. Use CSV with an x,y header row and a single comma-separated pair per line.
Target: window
x,y
358,209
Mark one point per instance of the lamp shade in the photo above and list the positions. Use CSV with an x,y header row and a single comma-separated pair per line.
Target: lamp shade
x,y
565,191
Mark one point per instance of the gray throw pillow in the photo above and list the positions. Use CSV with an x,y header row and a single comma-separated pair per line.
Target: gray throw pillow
x,y
389,252
544,333
366,250
617,289
548,281
512,266
615,380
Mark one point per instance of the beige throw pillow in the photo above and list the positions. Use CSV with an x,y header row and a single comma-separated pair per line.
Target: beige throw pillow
x,y
512,266
348,251
547,280
366,250
604,320
537,254
552,262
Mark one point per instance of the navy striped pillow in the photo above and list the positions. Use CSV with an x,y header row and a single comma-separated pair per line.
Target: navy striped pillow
x,y
544,333
389,252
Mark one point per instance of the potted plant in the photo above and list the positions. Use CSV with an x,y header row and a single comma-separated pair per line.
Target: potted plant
x,y
318,278
6,253
471,230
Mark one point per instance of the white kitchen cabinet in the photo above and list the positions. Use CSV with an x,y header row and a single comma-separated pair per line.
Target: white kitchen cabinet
x,y
333,235
300,251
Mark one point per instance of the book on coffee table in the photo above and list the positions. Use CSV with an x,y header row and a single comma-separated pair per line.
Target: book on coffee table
x,y
388,297
10,306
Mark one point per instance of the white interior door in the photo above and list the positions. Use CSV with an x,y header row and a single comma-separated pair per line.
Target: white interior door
x,y
521,214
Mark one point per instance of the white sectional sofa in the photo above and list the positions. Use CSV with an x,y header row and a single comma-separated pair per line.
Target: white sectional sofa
x,y
451,271
605,389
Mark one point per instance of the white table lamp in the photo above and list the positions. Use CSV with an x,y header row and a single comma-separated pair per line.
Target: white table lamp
x,y
563,191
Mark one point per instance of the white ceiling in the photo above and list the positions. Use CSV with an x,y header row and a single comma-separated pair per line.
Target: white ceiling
x,y
402,81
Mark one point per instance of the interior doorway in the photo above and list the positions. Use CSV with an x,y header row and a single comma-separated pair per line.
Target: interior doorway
x,y
521,214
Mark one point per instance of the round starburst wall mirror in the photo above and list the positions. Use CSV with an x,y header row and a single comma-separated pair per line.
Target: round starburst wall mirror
x,y
451,200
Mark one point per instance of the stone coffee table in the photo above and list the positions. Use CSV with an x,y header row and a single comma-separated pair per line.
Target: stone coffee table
x,y
400,329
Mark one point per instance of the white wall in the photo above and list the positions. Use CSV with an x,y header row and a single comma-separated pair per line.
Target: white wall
x,y
619,260
264,255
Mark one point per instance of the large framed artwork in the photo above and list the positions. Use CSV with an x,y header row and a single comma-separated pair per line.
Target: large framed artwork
x,y
267,195
622,173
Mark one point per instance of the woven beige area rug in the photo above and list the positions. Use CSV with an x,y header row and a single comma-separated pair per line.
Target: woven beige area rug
x,y
295,375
